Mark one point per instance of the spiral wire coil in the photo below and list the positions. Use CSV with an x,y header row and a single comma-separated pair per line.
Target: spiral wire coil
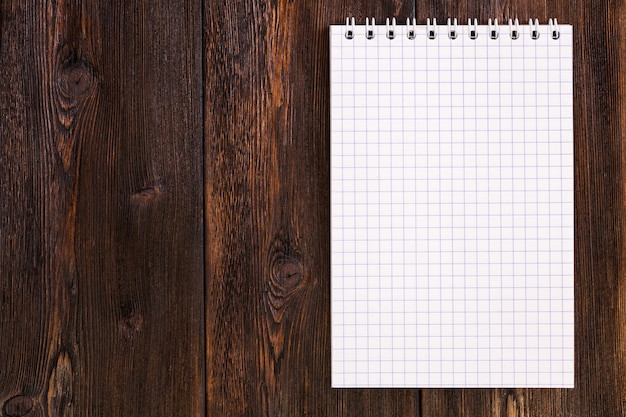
x,y
452,26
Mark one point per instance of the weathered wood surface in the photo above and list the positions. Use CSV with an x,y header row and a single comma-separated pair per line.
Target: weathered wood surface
x,y
101,261
164,211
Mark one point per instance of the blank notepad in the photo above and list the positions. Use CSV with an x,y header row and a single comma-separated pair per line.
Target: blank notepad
x,y
452,215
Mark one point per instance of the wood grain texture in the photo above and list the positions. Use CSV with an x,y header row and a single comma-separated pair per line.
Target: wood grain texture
x,y
101,271
281,116
599,226
266,130
118,120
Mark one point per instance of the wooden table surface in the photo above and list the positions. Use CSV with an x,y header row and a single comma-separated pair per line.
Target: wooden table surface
x,y
164,210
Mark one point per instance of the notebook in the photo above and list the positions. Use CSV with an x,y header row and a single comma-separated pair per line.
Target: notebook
x,y
452,214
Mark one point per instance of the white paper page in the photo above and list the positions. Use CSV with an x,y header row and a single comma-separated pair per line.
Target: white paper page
x,y
452,214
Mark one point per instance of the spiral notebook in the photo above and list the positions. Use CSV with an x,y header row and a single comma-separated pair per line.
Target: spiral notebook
x,y
452,214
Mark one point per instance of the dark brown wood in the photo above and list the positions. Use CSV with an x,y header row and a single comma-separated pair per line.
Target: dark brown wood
x,y
600,281
280,178
267,218
101,229
108,254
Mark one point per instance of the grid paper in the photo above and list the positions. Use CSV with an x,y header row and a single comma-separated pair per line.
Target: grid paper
x,y
452,214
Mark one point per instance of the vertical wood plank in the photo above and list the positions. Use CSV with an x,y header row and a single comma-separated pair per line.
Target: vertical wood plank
x,y
101,210
267,211
600,206
101,228
599,228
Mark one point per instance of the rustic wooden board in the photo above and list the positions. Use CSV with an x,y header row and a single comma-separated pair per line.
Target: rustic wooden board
x,y
101,228
164,210
600,280
267,211
269,131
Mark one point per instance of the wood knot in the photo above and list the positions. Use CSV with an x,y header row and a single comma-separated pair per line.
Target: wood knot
x,y
77,79
17,406
146,194
285,277
131,322
286,273
74,81
284,289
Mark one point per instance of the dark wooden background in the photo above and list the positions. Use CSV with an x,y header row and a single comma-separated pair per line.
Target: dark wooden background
x,y
164,210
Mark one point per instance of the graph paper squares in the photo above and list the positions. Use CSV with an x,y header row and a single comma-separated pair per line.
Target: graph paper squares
x,y
452,209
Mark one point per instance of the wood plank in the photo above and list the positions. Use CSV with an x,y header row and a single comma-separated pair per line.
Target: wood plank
x,y
101,228
267,211
599,204
101,211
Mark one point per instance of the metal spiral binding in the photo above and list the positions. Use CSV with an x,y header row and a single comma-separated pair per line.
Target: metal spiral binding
x,y
430,31
514,30
493,29
391,31
554,28
452,29
474,31
349,28
369,30
411,25
431,28
534,32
